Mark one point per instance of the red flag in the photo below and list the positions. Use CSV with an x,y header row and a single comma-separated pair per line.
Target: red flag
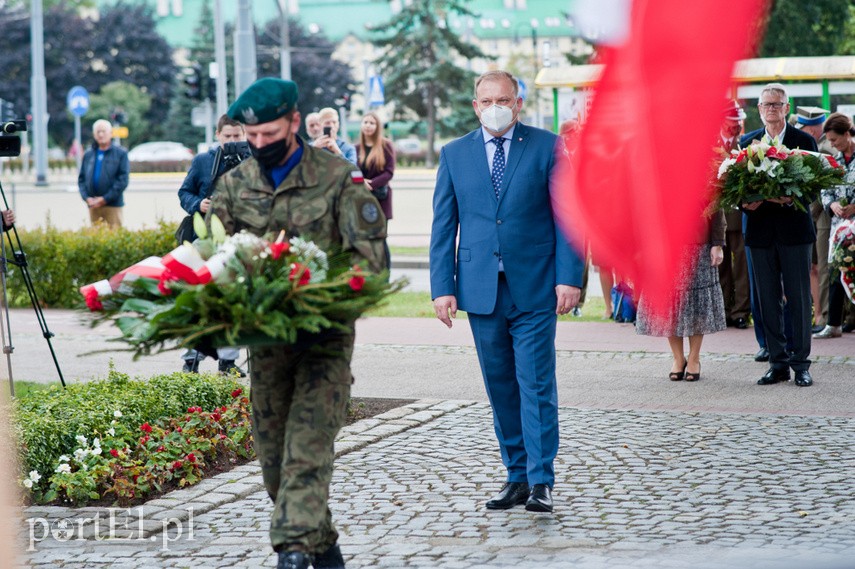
x,y
640,179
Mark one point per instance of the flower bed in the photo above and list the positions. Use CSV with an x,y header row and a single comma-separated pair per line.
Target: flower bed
x,y
122,440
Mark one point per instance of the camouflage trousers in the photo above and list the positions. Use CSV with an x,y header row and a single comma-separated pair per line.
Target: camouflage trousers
x,y
299,403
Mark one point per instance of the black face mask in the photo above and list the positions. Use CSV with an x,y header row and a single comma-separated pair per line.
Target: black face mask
x,y
271,155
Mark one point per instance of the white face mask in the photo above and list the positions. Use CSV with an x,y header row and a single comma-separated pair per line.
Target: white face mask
x,y
497,118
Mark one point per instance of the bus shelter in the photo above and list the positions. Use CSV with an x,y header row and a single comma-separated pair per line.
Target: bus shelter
x,y
804,76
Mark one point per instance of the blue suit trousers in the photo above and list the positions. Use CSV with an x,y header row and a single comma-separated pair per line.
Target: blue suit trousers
x,y
516,351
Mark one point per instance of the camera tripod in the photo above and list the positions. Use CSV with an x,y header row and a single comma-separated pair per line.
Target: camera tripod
x,y
19,259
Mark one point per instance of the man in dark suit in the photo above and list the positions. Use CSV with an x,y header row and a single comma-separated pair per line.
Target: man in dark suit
x,y
780,237
512,272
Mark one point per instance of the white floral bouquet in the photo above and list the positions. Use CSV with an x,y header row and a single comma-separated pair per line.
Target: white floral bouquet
x,y
843,255
769,170
235,290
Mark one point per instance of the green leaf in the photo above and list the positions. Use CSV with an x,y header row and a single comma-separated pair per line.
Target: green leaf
x,y
199,226
218,230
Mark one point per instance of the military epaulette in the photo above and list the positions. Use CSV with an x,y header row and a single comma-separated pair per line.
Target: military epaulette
x,y
356,177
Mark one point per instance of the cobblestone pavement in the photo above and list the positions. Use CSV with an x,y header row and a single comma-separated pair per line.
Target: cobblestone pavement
x,y
635,489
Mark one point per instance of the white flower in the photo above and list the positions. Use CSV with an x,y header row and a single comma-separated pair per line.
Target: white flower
x,y
80,454
63,468
111,431
84,468
81,439
852,247
725,165
64,458
96,442
27,483
117,414
95,451
847,259
35,476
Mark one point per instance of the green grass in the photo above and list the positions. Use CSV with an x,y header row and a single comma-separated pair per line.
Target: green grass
x,y
28,388
418,305
409,251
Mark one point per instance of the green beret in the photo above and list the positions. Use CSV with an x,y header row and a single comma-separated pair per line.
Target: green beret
x,y
265,100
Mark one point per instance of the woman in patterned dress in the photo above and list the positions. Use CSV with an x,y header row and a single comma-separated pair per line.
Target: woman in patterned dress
x,y
839,202
698,307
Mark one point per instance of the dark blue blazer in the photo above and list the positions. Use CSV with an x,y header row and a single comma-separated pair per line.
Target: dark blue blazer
x,y
197,184
773,223
114,177
518,227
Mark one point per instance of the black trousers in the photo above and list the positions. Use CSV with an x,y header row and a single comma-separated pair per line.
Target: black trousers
x,y
783,272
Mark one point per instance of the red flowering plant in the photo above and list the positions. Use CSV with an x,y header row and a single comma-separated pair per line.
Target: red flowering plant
x,y
126,465
768,170
235,290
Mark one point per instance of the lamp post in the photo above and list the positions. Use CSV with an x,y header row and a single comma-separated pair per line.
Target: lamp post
x,y
284,40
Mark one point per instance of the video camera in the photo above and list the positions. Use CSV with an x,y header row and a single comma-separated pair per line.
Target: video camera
x,y
11,145
230,155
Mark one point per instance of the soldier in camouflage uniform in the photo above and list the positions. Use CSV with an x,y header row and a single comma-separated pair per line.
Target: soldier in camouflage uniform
x,y
300,392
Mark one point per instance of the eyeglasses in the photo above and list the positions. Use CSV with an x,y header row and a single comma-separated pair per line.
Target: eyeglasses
x,y
772,105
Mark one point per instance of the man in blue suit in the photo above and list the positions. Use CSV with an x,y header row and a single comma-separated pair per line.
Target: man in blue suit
x,y
512,272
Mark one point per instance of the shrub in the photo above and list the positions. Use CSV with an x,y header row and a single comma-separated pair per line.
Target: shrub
x,y
47,425
61,261
160,166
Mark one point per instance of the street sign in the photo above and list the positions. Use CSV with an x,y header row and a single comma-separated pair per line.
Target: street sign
x,y
120,132
523,93
376,93
199,116
78,101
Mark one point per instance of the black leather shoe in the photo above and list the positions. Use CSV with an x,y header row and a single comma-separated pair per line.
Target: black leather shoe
x,y
293,560
512,494
329,559
762,355
741,323
774,376
847,328
803,378
540,499
817,329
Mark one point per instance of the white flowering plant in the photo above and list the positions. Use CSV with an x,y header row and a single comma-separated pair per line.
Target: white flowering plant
x,y
235,290
769,170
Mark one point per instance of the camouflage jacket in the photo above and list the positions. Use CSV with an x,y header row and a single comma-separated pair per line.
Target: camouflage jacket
x,y
323,199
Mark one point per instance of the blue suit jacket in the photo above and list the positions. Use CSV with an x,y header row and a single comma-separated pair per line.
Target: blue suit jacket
x,y
518,226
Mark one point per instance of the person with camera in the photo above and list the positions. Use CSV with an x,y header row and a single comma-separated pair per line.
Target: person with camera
x,y
195,196
104,175
376,158
329,139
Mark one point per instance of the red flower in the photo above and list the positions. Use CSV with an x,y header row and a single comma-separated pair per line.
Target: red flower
x,y
237,392
145,427
92,301
773,152
191,409
832,162
177,464
222,437
177,429
191,457
216,416
144,440
163,283
301,272
160,448
114,453
741,156
357,282
277,249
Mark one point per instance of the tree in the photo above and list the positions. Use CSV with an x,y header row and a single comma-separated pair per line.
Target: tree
x,y
127,99
122,45
321,79
799,28
419,70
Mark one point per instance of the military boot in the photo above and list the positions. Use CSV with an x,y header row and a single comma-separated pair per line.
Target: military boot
x,y
329,559
292,560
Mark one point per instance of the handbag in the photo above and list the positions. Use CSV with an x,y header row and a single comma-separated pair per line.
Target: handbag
x,y
185,231
381,193
623,305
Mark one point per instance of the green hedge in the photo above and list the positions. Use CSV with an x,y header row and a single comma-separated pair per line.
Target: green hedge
x,y
60,262
47,422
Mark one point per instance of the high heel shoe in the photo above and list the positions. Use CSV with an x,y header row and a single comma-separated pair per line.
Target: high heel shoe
x,y
694,376
678,375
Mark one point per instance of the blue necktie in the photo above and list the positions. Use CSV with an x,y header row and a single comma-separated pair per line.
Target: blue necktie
x,y
498,164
